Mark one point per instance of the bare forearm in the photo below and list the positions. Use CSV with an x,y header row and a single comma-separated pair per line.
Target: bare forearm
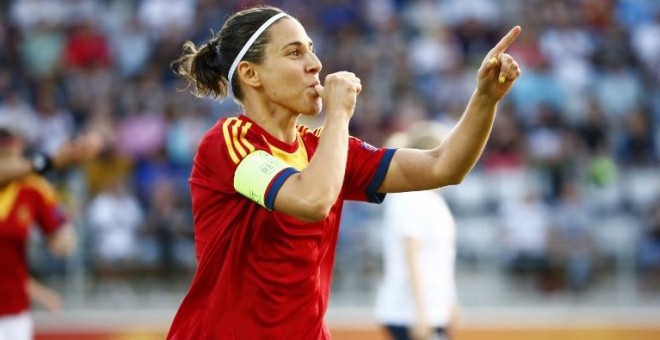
x,y
12,169
414,272
464,145
417,292
310,194
413,169
324,176
43,295
460,150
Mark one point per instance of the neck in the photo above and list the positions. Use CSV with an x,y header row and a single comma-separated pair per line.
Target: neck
x,y
278,121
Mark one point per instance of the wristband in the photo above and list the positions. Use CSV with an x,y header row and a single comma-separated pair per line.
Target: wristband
x,y
41,163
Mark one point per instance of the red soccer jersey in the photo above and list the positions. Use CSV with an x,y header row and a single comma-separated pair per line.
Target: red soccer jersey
x,y
23,203
263,274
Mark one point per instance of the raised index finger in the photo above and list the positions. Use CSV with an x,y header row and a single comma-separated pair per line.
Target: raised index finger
x,y
506,41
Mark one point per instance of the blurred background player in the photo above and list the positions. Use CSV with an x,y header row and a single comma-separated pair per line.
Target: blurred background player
x,y
417,297
26,200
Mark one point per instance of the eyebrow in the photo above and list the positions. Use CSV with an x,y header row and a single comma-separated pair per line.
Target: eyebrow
x,y
298,43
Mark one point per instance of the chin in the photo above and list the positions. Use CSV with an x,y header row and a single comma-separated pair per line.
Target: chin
x,y
313,109
310,113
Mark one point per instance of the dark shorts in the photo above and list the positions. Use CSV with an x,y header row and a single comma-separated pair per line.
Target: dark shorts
x,y
398,332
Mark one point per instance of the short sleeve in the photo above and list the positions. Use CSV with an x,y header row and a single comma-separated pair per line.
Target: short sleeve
x,y
219,152
365,171
47,212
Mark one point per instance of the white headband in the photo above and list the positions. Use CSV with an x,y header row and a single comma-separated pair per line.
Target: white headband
x,y
249,43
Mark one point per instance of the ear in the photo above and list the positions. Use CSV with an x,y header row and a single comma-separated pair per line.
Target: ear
x,y
248,73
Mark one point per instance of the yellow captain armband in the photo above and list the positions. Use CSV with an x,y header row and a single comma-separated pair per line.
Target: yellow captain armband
x,y
259,177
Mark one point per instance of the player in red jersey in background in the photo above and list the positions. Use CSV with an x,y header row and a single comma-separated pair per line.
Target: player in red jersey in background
x,y
27,200
24,202
267,194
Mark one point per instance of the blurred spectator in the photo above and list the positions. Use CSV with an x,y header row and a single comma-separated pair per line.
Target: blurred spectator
x,y
15,109
167,225
87,61
648,256
618,86
568,47
108,168
167,17
115,218
594,130
132,47
156,167
141,133
505,149
548,150
572,245
41,50
637,145
524,233
185,131
86,48
54,124
647,45
29,13
422,15
537,88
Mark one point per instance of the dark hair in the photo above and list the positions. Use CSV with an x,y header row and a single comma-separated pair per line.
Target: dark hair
x,y
206,68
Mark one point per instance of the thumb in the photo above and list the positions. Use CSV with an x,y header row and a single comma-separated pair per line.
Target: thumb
x,y
319,89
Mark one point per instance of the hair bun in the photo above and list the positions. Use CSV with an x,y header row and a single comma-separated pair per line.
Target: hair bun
x,y
214,53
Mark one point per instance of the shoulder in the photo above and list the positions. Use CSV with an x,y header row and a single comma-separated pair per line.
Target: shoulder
x,y
233,138
39,185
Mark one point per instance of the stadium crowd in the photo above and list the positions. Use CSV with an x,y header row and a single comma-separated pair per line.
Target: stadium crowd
x,y
582,124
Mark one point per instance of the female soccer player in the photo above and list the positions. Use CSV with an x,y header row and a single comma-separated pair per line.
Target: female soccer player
x,y
26,200
267,194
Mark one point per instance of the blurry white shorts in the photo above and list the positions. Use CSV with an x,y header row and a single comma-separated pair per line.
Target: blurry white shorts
x,y
16,327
